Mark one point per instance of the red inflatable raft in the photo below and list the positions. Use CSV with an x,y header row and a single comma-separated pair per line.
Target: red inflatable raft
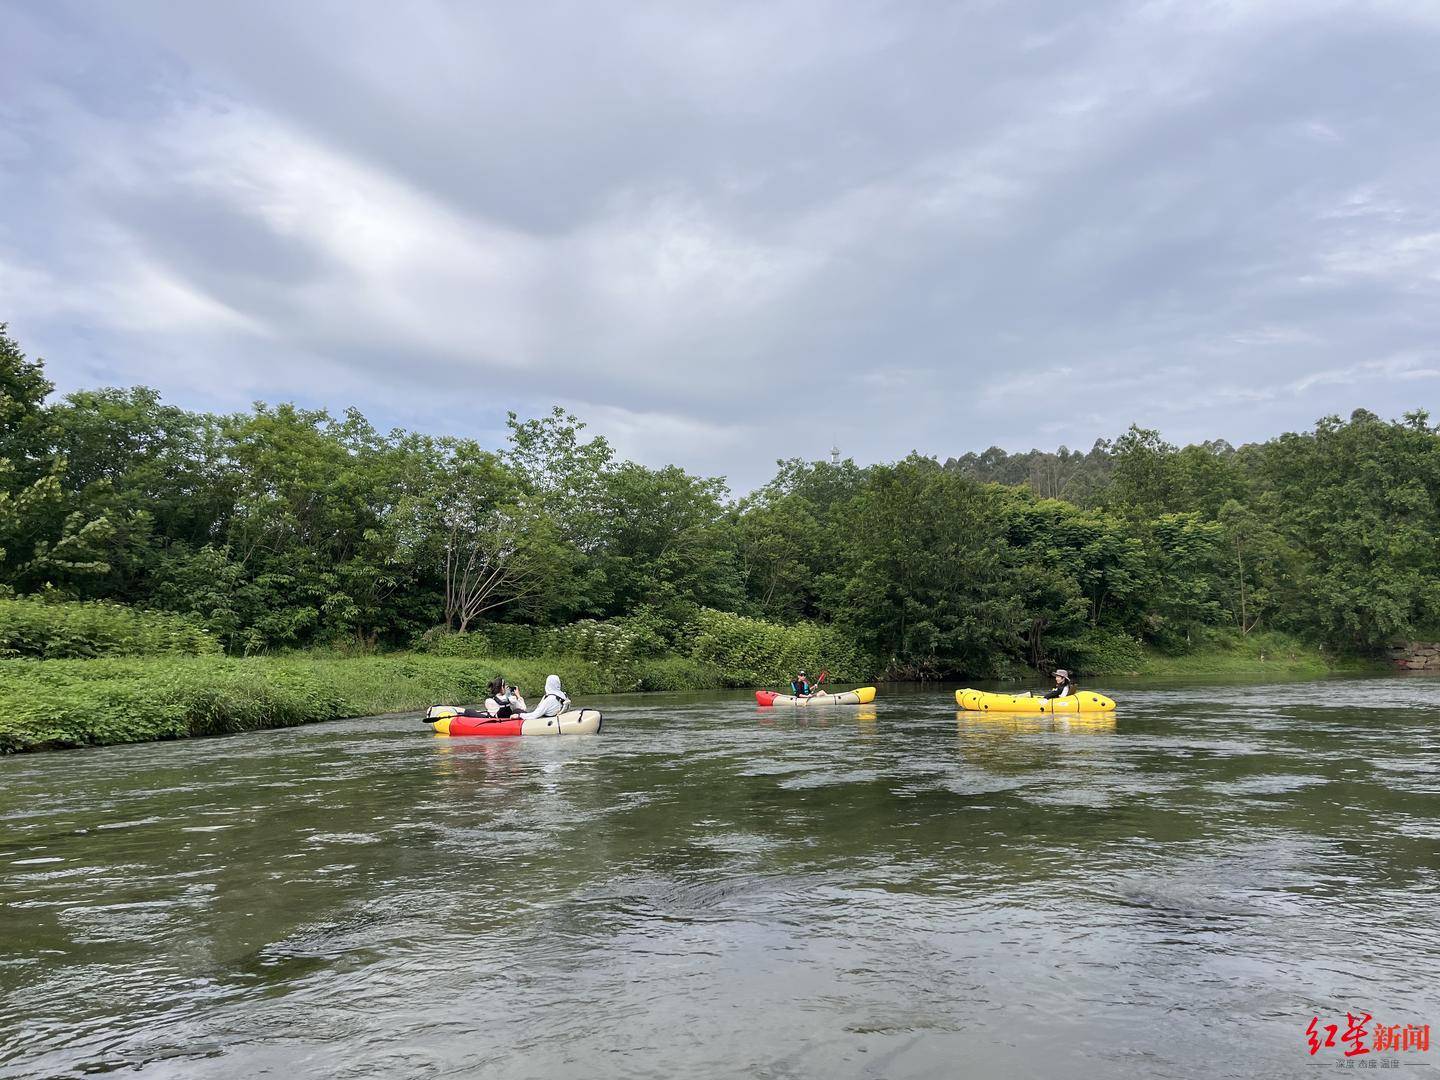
x,y
449,720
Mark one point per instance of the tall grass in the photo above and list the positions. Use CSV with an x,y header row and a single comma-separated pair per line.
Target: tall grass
x,y
51,704
142,685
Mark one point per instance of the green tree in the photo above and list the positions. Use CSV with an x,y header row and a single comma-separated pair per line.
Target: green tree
x,y
1258,569
44,542
1144,474
473,521
788,535
1361,506
1188,551
926,586
665,542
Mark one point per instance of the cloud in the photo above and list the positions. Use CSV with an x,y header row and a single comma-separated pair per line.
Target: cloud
x,y
734,234
651,435
1402,368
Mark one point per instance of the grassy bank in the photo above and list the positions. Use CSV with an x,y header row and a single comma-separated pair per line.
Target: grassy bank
x,y
94,674
1250,654
51,704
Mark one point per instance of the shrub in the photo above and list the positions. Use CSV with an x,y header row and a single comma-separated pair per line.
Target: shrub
x,y
1098,651
60,630
462,646
757,651
57,703
614,641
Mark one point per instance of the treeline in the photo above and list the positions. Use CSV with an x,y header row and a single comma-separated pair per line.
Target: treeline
x,y
283,527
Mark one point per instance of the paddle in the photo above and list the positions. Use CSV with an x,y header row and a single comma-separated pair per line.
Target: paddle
x,y
805,698
461,715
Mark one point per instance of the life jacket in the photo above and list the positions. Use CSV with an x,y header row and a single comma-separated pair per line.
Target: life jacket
x,y
1065,689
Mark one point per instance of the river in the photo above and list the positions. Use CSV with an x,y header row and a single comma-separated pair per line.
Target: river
x,y
711,889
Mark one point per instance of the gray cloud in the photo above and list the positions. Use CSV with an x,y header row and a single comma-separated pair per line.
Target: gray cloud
x,y
734,234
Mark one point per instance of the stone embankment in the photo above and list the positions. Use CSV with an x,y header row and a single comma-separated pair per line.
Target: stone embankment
x,y
1415,655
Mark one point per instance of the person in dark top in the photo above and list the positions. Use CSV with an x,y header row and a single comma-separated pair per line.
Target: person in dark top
x,y
1064,685
503,700
800,685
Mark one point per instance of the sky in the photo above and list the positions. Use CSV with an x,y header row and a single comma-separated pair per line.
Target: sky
x,y
729,233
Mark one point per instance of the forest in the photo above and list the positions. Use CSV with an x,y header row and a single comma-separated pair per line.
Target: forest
x,y
283,528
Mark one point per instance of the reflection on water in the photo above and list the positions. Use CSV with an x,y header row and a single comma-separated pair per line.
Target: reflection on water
x,y
890,890
983,724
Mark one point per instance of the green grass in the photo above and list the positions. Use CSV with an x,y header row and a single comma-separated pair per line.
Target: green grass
x,y
52,704
78,674
1248,654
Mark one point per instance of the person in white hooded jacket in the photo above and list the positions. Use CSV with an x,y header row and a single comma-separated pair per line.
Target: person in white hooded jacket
x,y
552,704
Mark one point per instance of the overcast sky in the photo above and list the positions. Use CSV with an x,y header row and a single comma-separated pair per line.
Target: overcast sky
x,y
728,233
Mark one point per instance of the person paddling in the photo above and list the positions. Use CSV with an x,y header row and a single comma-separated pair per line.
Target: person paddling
x,y
1064,685
800,685
552,704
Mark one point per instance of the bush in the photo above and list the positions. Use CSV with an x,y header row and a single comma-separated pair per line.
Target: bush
x,y
1228,652
754,651
1097,651
64,630
615,641
62,703
719,649
461,646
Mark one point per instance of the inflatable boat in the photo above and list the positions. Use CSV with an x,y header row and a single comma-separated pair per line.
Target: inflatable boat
x,y
863,696
1083,702
450,720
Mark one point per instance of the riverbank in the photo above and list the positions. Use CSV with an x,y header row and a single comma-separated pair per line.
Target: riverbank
x,y
1251,654
56,704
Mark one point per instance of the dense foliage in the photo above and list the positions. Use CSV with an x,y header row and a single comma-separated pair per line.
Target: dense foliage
x,y
283,527
57,630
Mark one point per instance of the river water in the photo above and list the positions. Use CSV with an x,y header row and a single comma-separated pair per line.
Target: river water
x,y
711,889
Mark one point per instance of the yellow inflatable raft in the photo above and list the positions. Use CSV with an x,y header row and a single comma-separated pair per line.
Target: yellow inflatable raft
x,y
1083,702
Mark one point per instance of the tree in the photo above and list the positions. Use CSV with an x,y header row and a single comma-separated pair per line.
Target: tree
x,y
24,435
44,542
1258,562
789,535
1040,535
1143,478
666,542
563,471
475,520
1359,502
925,582
1187,551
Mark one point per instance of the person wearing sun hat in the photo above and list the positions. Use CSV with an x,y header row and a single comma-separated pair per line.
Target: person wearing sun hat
x,y
1064,684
